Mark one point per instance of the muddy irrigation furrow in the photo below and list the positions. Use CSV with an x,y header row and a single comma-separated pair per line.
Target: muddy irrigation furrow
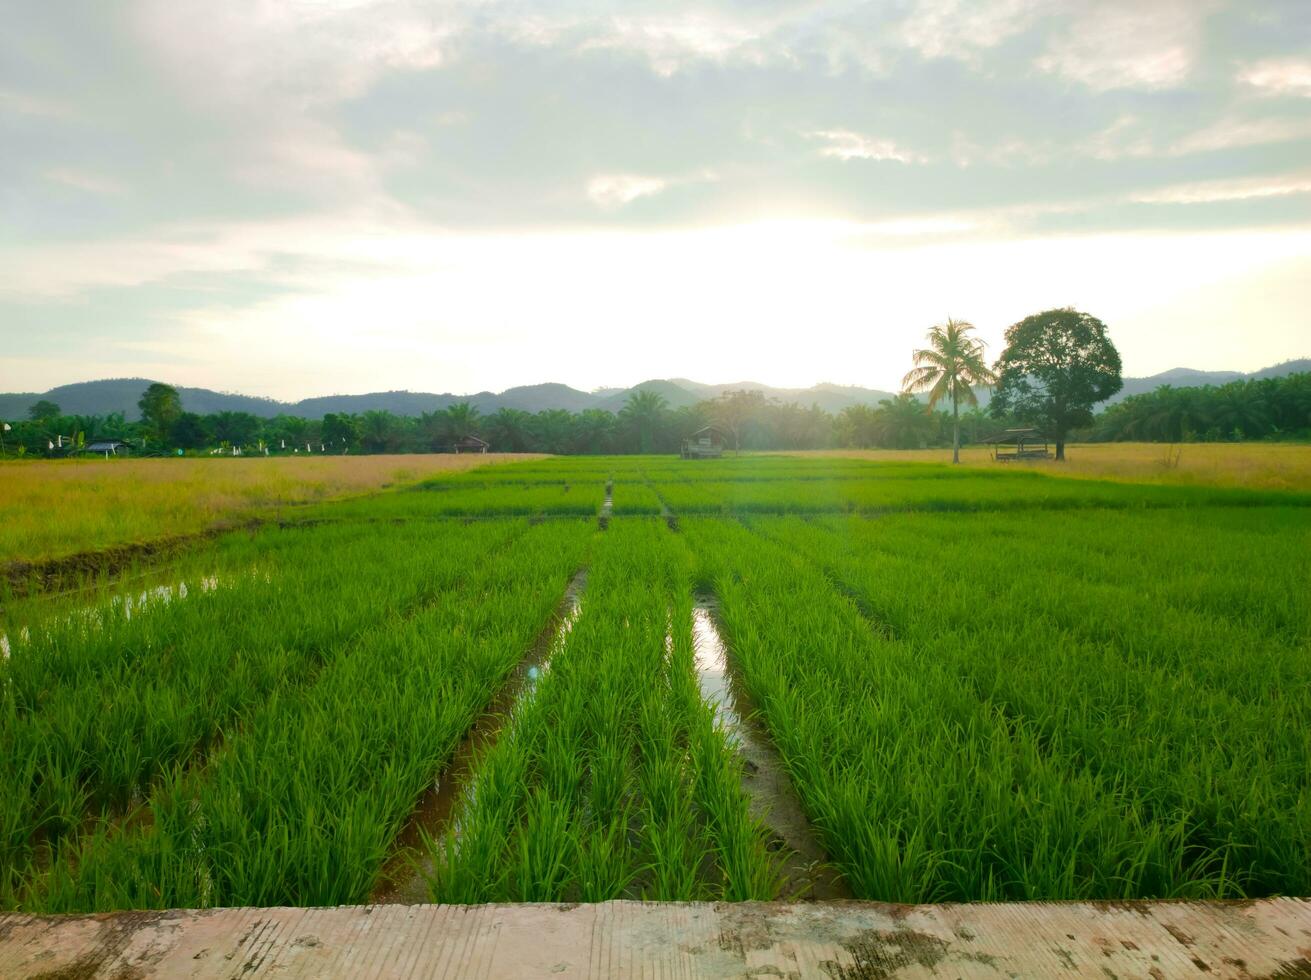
x,y
404,881
607,506
805,867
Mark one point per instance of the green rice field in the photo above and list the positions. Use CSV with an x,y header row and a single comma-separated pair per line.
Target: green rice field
x,y
500,685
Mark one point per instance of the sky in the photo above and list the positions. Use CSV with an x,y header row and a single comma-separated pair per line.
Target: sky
x,y
307,197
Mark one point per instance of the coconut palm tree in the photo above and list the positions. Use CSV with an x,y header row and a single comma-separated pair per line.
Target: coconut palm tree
x,y
949,368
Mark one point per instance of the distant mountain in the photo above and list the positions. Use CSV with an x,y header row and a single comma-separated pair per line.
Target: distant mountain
x,y
677,395
121,395
1190,378
543,398
1299,366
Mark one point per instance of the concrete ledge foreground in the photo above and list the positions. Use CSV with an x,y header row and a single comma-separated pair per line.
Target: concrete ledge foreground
x,y
1269,938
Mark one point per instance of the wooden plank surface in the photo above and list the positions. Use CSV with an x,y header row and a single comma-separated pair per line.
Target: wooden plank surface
x,y
1269,938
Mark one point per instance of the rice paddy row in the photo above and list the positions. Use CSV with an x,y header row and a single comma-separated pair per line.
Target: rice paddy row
x,y
1007,686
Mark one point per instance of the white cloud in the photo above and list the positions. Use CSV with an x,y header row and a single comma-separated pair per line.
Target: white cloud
x,y
1133,136
1128,44
1279,76
961,28
671,42
612,191
264,70
846,145
244,52
1237,132
1212,191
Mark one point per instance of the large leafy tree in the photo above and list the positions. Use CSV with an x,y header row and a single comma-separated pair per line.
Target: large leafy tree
x,y
161,406
644,411
1056,366
949,368
736,410
44,411
190,431
340,431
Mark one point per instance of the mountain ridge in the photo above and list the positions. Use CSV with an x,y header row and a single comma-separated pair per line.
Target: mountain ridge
x,y
100,397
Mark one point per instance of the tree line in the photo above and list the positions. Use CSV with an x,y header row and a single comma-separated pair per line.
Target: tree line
x,y
646,423
1268,408
1056,367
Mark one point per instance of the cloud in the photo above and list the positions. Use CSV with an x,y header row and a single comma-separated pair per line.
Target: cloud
x,y
1238,132
1128,44
1133,136
243,51
671,42
846,145
611,191
1212,191
962,28
1279,76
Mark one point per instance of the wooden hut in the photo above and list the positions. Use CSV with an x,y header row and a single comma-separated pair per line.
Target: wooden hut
x,y
470,444
707,443
1016,444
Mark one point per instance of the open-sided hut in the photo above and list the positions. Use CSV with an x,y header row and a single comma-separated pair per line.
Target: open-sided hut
x,y
471,444
1019,444
107,447
706,443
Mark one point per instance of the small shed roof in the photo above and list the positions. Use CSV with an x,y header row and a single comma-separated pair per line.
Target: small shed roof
x,y
472,441
1010,435
716,430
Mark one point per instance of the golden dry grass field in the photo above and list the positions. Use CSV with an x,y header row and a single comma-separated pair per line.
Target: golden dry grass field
x,y
53,508
1259,466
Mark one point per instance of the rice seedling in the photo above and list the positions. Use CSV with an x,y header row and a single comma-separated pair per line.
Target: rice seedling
x,y
982,685
96,707
1134,686
356,747
613,780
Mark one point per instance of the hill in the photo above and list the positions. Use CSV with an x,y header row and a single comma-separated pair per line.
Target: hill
x,y
121,394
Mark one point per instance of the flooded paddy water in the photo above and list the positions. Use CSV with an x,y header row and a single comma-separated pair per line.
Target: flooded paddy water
x,y
806,871
124,602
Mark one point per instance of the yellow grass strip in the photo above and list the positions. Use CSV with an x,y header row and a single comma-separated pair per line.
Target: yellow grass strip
x,y
1259,466
53,508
